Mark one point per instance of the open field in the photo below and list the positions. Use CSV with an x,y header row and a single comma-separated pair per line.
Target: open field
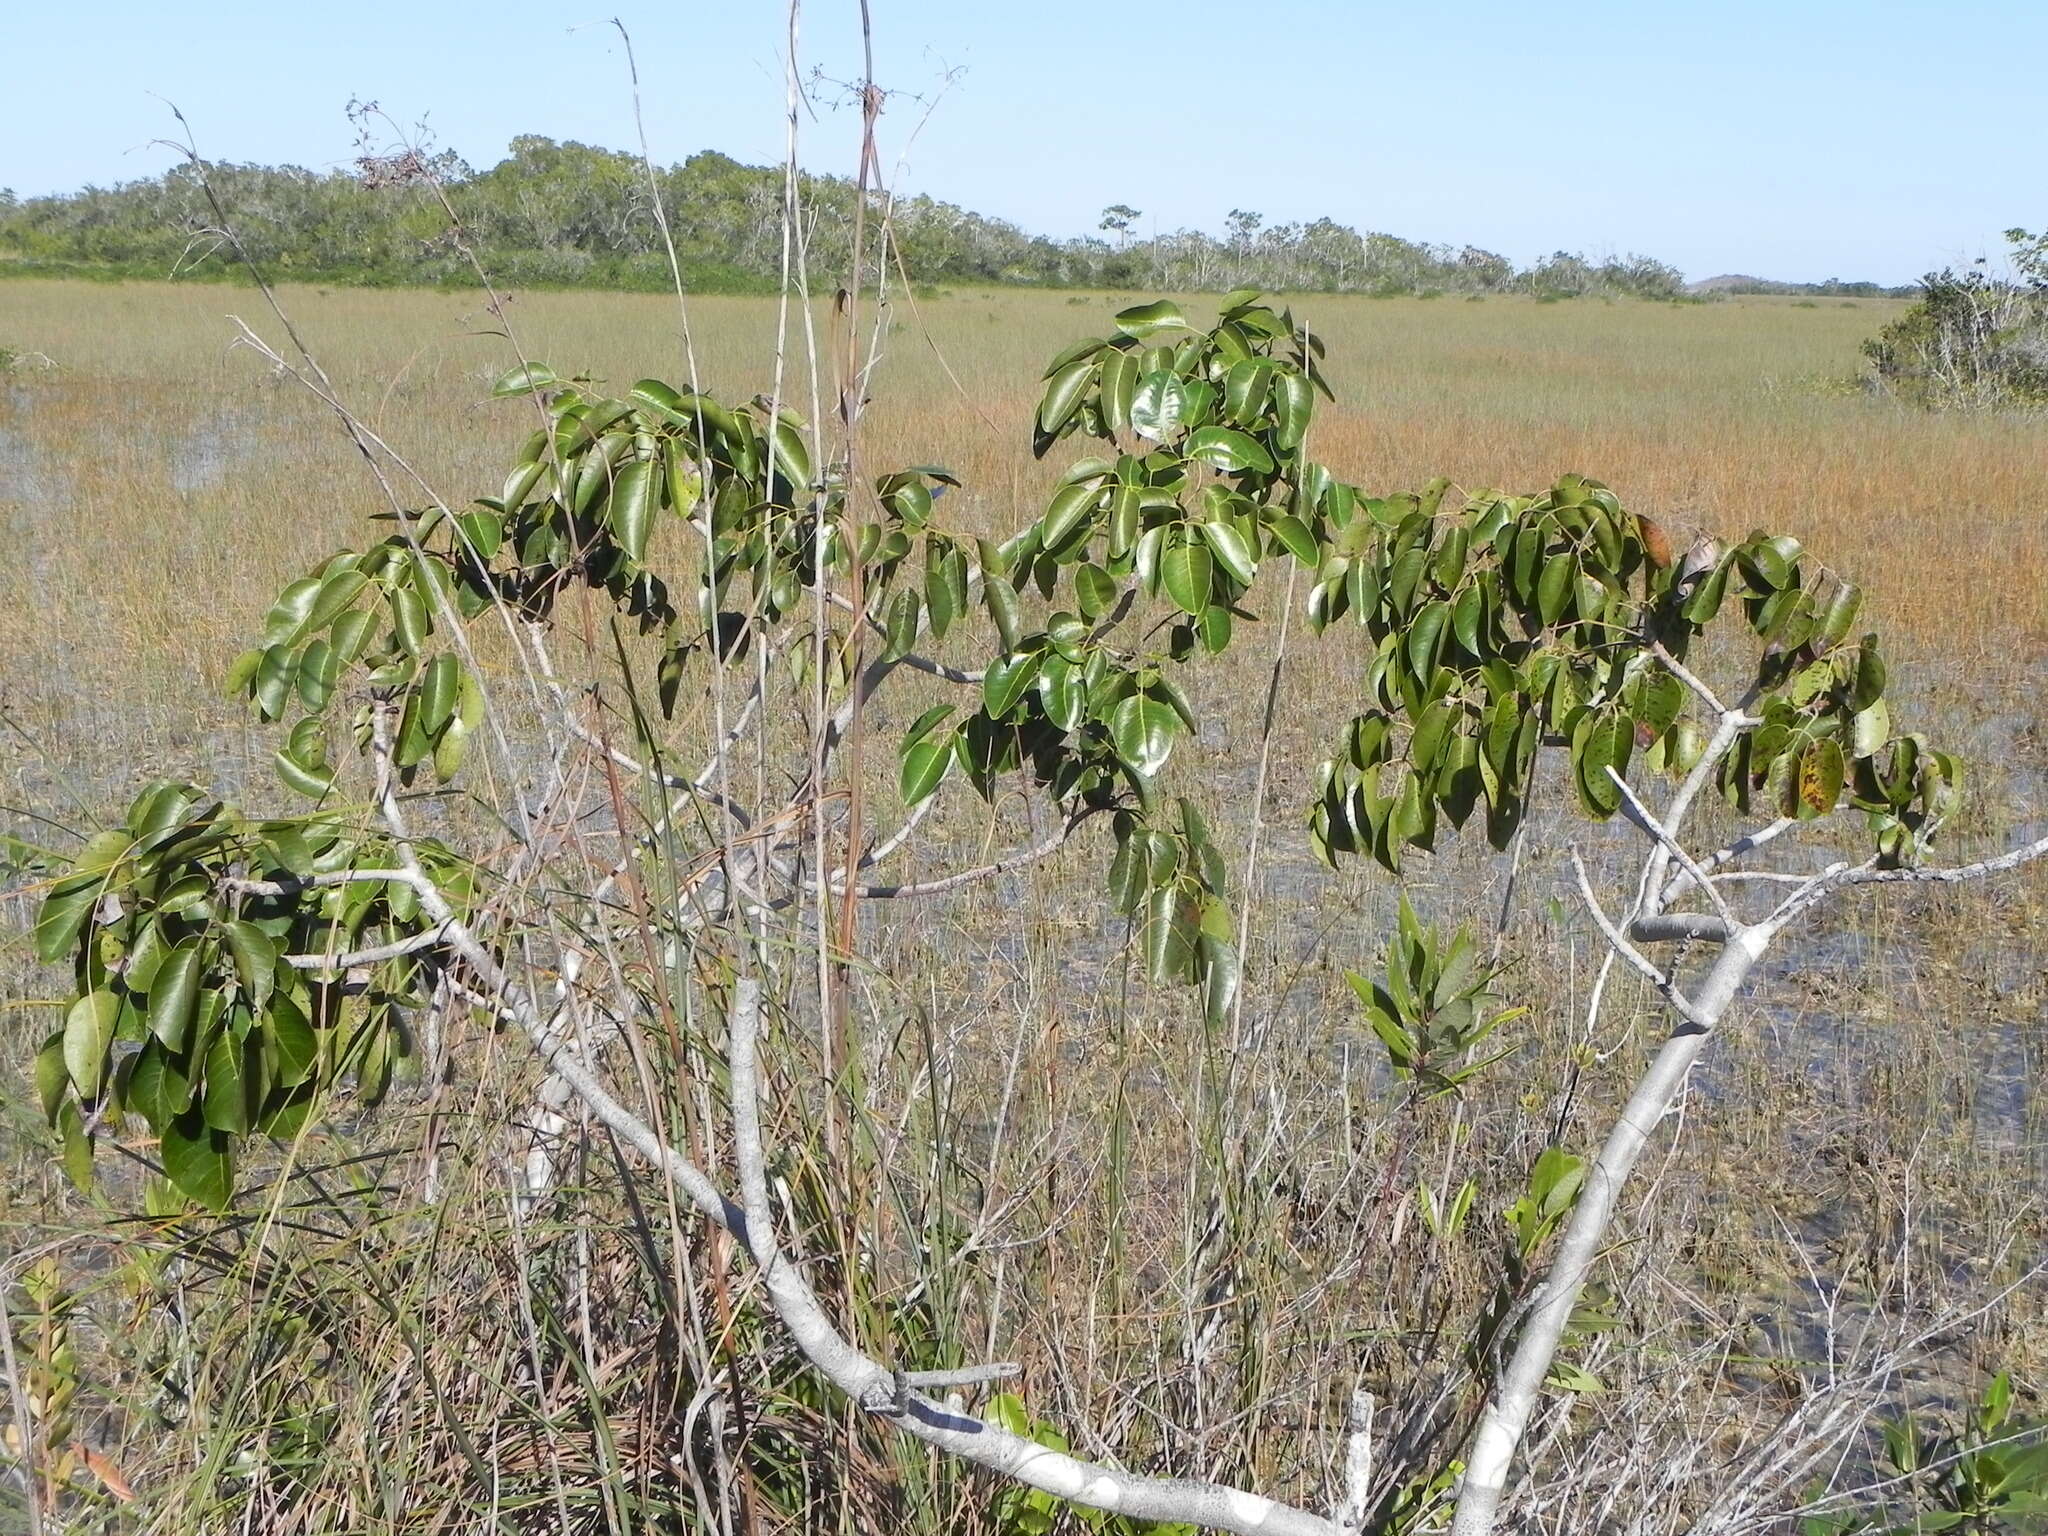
x,y
1871,1128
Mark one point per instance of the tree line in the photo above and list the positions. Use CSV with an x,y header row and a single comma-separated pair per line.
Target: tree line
x,y
576,215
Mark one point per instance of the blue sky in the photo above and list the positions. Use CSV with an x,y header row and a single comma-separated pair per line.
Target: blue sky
x,y
1798,139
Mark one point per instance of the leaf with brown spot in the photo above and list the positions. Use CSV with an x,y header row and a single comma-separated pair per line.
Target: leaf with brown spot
x,y
1820,778
1656,542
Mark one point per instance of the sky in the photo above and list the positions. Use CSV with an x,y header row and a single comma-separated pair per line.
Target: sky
x,y
1799,139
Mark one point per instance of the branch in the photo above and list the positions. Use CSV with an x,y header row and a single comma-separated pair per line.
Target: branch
x,y
1493,1444
426,938
1628,952
291,885
1731,725
1691,680
1720,858
1640,815
1840,876
945,1426
1044,848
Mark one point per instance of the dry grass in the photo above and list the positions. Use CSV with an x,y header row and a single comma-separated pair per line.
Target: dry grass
x,y
158,488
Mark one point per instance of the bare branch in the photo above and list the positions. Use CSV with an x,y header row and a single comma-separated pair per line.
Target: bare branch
x,y
1721,858
426,938
1628,952
1640,815
1044,848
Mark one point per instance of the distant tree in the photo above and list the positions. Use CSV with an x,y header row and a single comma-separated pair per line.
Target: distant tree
x,y
1243,226
1120,219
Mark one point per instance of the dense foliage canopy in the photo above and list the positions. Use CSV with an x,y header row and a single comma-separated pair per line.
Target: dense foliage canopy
x,y
575,215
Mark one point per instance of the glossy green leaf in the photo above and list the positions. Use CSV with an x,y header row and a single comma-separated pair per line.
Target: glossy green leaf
x,y
1007,680
88,1034
1159,405
1554,587
1094,589
174,995
229,1088
1063,395
636,493
1231,550
1170,935
525,379
294,1043
1069,506
1144,320
1227,449
924,765
1142,730
63,917
1294,403
1119,383
1293,534
1185,572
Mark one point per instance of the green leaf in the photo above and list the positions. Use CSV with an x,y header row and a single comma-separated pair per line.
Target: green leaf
x,y
1094,589
1170,935
439,689
228,1086
1554,587
1293,533
156,1089
1007,680
1069,506
1601,742
1294,403
924,764
88,1032
1229,450
1185,571
409,622
1425,634
1119,383
63,916
524,379
1220,973
1142,729
1867,687
1246,389
300,779
1129,872
294,1041
921,727
905,608
941,608
1231,551
1143,320
338,589
174,995
255,957
636,493
1159,405
199,1160
1063,394
277,671
1214,627
287,617
793,457
1820,778
1842,611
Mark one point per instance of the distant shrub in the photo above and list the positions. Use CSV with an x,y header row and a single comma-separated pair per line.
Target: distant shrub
x,y
1974,339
